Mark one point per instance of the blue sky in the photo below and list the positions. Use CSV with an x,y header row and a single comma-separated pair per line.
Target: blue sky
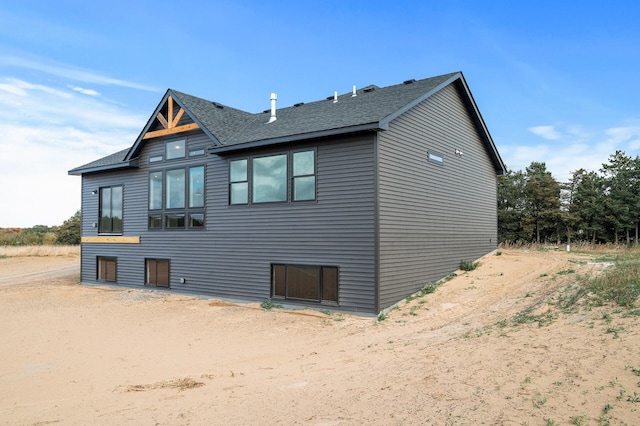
x,y
555,81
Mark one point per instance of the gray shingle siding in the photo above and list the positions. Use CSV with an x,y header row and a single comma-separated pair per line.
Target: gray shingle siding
x,y
432,216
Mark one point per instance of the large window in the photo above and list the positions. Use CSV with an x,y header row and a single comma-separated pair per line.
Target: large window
x,y
157,272
107,269
176,198
110,220
267,178
175,149
312,283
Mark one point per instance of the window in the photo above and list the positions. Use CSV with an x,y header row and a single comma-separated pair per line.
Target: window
x,y
267,177
155,159
311,283
196,187
434,157
175,149
155,190
238,182
196,152
175,189
157,272
304,176
176,197
110,215
107,269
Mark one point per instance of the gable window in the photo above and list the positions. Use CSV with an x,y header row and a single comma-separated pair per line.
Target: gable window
x,y
175,149
267,177
107,269
157,273
110,214
311,283
304,176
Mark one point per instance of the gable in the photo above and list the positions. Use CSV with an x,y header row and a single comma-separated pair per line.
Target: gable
x,y
170,120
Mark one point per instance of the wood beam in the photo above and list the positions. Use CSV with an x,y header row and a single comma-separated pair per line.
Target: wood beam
x,y
162,120
111,239
164,132
170,112
175,121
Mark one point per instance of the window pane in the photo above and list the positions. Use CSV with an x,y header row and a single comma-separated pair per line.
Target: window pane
x,y
155,159
155,190
303,163
116,209
155,221
304,188
196,152
175,196
175,220
196,186
196,220
270,179
303,282
238,171
175,149
239,193
278,280
330,284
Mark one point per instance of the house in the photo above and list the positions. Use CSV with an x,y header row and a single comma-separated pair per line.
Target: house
x,y
349,203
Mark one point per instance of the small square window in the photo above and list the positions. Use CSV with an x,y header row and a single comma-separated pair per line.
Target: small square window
x,y
155,221
434,157
196,220
175,220
175,149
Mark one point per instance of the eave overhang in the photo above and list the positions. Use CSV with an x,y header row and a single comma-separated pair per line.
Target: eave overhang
x,y
129,164
221,150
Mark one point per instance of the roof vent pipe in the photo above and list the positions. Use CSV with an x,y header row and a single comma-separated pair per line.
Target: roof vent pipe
x,y
273,97
335,97
354,94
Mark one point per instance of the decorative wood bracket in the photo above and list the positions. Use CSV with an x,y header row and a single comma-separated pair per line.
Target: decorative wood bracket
x,y
170,122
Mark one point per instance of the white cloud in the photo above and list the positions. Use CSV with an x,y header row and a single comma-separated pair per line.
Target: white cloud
x,y
546,132
71,72
572,147
89,92
44,132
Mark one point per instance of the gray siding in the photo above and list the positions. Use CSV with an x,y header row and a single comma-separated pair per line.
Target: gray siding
x,y
432,216
232,256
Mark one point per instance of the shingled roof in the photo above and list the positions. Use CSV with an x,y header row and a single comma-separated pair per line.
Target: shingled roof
x,y
232,129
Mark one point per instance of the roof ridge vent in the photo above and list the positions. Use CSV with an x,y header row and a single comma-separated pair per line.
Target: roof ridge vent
x,y
298,104
413,80
217,105
369,88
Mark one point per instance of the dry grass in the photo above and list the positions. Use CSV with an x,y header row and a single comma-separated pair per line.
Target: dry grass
x,y
38,251
579,246
181,384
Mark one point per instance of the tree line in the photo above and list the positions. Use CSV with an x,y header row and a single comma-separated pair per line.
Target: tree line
x,y
594,207
66,234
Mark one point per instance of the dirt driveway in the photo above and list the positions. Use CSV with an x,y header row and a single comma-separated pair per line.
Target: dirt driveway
x,y
487,347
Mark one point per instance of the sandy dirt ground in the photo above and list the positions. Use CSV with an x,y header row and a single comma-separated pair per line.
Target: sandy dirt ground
x,y
73,354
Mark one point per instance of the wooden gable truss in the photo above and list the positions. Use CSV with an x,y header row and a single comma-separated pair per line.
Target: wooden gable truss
x,y
169,124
